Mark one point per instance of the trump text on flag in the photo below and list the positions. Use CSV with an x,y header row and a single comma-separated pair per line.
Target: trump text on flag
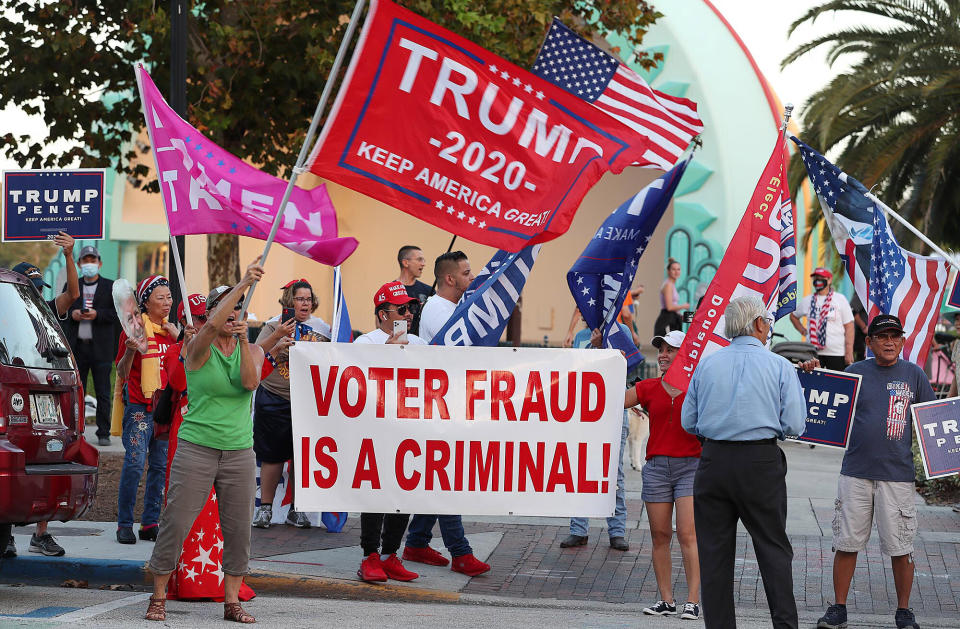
x,y
456,429
937,425
442,129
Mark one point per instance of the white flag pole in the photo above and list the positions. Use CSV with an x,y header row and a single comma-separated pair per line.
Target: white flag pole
x,y
307,141
335,328
916,232
174,249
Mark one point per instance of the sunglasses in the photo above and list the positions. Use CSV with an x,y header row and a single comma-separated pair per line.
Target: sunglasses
x,y
402,310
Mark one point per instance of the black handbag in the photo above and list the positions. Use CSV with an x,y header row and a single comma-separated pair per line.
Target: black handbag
x,y
163,406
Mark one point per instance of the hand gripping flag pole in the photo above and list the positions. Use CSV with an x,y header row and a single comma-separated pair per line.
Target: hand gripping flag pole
x,y
307,141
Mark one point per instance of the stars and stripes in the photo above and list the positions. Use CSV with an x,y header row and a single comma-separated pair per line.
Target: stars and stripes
x,y
667,123
888,279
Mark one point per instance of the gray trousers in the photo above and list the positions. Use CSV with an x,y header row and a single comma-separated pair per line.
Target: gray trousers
x,y
195,468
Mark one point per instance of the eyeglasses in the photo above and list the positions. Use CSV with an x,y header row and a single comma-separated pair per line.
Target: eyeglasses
x,y
303,300
402,310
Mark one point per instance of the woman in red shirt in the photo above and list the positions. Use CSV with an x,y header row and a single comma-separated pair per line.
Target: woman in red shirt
x,y
671,463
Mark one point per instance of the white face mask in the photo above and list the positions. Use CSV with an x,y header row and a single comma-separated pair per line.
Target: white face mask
x,y
90,269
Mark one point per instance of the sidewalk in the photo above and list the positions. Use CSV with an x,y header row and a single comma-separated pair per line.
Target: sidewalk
x,y
530,568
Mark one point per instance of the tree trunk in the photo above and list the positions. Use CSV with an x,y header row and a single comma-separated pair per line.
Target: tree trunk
x,y
223,260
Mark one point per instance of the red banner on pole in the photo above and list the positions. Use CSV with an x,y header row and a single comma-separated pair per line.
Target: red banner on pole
x,y
760,261
446,131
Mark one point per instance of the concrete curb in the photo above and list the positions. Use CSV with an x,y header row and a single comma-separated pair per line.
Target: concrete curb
x,y
57,569
347,589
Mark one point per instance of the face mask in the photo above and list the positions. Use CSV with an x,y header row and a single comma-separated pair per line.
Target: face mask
x,y
90,269
819,284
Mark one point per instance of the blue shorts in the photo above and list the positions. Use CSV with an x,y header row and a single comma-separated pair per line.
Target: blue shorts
x,y
666,478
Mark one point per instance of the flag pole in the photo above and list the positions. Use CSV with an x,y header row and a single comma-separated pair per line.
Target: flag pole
x,y
307,141
335,328
137,68
916,232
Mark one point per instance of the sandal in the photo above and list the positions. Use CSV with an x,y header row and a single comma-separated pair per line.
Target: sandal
x,y
235,613
157,609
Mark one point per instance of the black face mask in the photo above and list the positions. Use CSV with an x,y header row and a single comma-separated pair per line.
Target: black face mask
x,y
819,284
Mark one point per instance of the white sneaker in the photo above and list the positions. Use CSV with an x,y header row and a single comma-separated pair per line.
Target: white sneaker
x,y
263,516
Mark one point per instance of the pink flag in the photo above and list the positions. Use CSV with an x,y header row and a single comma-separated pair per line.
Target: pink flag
x,y
206,190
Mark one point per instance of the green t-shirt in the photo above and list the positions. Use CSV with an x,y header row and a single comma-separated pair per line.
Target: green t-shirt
x,y
218,406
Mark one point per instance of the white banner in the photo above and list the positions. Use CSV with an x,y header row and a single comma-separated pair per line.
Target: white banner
x,y
456,430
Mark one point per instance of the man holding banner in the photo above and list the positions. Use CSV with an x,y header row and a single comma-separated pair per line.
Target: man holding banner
x,y
877,476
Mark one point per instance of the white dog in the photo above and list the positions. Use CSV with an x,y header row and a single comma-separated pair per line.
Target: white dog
x,y
637,437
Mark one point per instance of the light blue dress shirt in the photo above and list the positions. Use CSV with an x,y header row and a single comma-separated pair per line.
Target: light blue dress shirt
x,y
744,392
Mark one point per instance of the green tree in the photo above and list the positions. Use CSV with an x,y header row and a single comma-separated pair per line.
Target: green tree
x,y
892,119
255,71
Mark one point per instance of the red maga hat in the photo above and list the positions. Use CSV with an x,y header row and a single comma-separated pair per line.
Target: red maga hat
x,y
393,293
198,306
823,272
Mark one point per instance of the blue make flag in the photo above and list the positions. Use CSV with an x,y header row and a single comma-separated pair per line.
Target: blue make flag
x,y
601,276
489,301
340,331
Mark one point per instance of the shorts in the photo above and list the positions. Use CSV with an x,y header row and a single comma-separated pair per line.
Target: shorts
x,y
272,427
861,501
666,478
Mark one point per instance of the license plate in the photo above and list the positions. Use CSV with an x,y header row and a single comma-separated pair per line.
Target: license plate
x,y
44,409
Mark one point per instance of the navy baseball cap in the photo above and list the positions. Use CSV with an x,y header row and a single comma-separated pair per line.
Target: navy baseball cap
x,y
32,273
884,323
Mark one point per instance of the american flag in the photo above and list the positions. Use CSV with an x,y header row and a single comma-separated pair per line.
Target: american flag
x,y
888,279
667,123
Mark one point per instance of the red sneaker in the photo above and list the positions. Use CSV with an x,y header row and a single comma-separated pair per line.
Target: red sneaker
x,y
396,571
425,555
469,565
372,569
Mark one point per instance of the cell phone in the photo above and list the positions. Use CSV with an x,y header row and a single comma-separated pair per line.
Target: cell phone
x,y
400,327
286,315
688,316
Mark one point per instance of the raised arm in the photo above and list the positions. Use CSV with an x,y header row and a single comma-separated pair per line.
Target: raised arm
x,y
72,293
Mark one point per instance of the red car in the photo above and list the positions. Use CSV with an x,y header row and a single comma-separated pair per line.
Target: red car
x,y
47,470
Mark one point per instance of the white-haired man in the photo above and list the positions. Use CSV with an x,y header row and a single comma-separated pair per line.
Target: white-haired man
x,y
741,399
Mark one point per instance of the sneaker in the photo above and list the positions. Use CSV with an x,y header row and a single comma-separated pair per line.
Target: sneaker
x,y
371,569
263,516
425,555
661,608
298,519
469,565
394,569
574,540
11,550
149,533
905,618
125,535
103,441
691,611
835,618
46,545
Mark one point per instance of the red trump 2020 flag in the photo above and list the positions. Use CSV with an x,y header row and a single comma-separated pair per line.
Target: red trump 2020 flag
x,y
446,131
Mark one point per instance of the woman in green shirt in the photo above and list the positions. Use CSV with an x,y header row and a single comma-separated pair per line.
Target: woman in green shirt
x,y
215,446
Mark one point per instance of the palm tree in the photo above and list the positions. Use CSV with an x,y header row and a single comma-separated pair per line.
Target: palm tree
x,y
893,119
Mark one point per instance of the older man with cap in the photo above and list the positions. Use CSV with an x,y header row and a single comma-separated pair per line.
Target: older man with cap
x,y
383,532
91,329
876,484
829,322
741,400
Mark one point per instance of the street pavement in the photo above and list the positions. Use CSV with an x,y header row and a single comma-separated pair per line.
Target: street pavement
x,y
532,578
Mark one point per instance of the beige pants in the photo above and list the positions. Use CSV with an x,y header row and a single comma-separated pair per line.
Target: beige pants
x,y
862,502
195,468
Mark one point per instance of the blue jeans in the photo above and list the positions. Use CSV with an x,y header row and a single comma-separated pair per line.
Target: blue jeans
x,y
420,532
141,447
617,523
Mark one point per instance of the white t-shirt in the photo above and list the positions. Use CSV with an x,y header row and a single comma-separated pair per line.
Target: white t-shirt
x,y
436,312
379,337
839,315
319,326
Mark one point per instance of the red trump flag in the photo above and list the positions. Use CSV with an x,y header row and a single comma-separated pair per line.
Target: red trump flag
x,y
446,131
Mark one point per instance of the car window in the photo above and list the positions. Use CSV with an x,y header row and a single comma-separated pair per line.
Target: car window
x,y
29,335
